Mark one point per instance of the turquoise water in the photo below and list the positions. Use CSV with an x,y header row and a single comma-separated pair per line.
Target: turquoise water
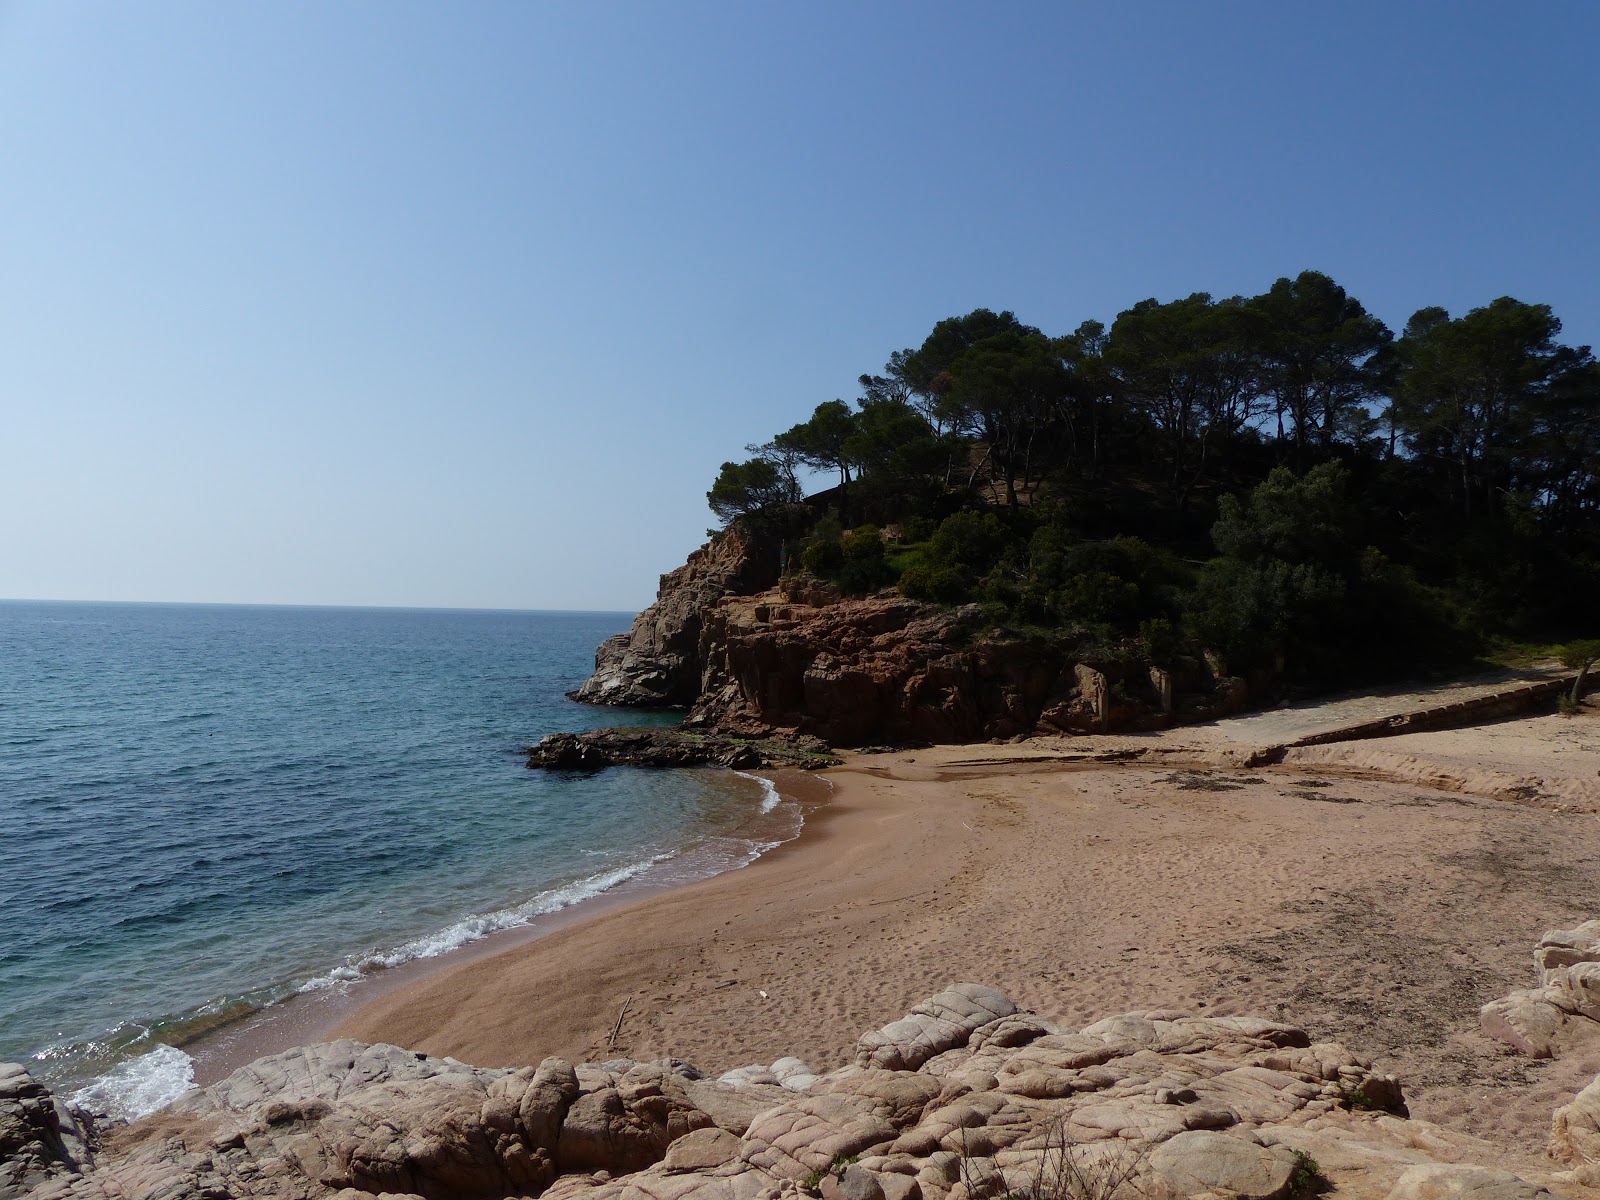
x,y
207,809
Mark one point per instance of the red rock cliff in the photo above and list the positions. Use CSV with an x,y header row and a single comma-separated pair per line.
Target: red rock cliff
x,y
872,670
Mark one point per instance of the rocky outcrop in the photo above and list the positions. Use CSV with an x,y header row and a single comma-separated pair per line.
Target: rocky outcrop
x,y
658,663
892,671
755,656
41,1139
1564,1008
964,1098
671,747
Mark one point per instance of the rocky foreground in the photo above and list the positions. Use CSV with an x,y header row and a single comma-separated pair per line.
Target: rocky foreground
x,y
964,1098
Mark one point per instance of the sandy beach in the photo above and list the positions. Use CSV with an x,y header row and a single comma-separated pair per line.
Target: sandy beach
x,y
1339,894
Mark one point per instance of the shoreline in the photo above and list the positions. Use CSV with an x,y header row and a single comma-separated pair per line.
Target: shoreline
x,y
311,1016
1377,912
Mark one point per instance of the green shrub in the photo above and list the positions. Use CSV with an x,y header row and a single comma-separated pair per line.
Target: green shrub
x,y
1307,1176
1099,597
864,567
1160,639
938,584
824,557
969,540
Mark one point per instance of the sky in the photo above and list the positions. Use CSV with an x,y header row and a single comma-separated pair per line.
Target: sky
x,y
463,305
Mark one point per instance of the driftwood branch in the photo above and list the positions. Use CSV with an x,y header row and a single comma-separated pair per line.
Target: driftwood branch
x,y
617,1028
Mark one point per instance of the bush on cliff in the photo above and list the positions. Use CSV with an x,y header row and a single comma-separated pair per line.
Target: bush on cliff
x,y
857,560
1279,478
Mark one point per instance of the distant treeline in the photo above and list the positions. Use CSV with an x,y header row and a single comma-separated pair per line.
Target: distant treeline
x,y
1277,479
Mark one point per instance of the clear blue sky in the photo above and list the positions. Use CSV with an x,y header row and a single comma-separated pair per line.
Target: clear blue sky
x,y
393,303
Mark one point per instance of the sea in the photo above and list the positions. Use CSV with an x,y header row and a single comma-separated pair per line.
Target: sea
x,y
208,811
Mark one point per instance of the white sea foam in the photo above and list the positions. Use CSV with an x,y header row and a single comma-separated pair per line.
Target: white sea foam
x,y
138,1087
769,791
481,925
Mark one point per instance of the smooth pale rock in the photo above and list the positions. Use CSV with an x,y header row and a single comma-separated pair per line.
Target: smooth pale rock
x,y
939,1023
898,1098
1544,1021
1191,1163
733,1108
853,1183
755,1073
1016,1030
1575,1129
700,1150
809,1133
1454,1181
1528,1020
794,1074
626,1127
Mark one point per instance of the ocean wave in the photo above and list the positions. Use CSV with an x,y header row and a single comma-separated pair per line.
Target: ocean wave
x,y
139,1086
481,925
769,791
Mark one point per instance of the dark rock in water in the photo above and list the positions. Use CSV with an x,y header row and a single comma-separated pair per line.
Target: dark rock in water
x,y
670,747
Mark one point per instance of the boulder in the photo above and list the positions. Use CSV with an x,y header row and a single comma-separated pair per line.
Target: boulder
x,y
1544,1021
1528,1020
1577,989
701,1150
807,1135
1195,1162
1459,1181
935,1025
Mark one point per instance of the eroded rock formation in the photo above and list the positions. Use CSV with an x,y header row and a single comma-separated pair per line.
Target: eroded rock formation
x,y
754,658
41,1139
1564,1008
964,1098
658,663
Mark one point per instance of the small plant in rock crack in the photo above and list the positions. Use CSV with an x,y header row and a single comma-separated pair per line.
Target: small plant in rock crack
x,y
1066,1170
836,1168
1307,1178
1359,1099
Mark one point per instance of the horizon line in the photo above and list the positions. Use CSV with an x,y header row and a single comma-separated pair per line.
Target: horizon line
x,y
608,612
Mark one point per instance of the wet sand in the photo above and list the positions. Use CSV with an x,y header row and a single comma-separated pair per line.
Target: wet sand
x,y
1371,909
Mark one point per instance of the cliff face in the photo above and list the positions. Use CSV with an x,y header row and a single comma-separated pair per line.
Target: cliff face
x,y
798,658
886,670
657,663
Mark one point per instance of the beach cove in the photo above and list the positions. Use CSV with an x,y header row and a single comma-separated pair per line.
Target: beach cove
x,y
1335,895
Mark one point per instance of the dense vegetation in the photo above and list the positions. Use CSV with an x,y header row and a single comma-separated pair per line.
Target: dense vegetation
x,y
1277,479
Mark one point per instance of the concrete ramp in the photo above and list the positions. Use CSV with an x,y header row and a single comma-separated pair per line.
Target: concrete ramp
x,y
1409,709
